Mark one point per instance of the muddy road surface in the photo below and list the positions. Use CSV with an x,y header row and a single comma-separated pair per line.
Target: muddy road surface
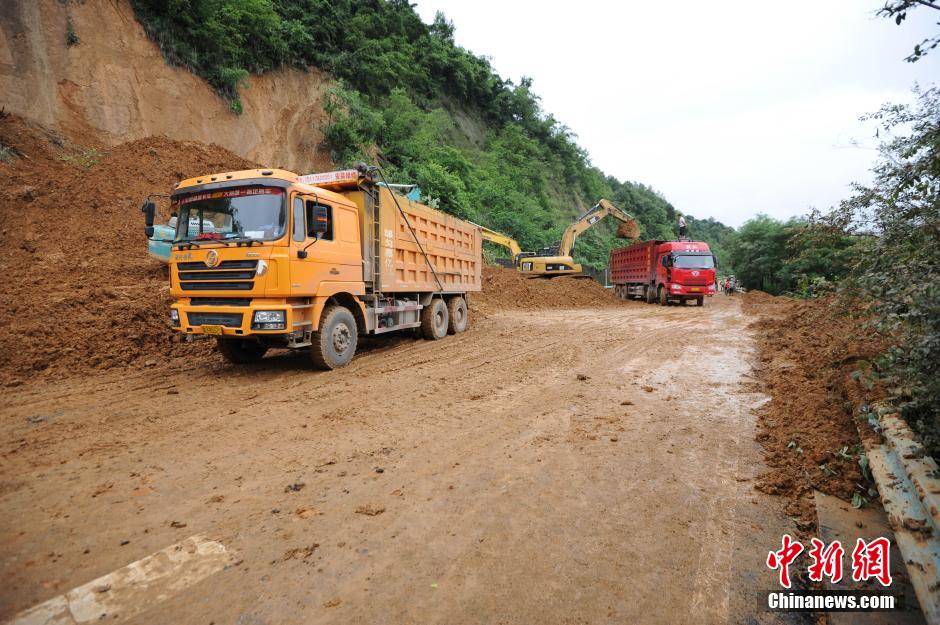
x,y
566,466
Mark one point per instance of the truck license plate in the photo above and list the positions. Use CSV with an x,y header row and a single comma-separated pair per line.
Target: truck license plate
x,y
695,290
212,330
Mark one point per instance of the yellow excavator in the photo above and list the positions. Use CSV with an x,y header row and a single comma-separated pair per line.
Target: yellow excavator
x,y
556,260
506,241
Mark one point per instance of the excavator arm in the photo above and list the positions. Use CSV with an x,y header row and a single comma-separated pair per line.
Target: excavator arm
x,y
602,209
501,239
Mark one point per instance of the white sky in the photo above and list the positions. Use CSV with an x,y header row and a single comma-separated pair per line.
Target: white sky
x,y
727,108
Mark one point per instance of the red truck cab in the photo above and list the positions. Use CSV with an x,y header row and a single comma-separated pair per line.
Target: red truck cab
x,y
664,271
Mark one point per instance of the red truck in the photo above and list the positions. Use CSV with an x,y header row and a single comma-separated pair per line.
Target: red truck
x,y
664,271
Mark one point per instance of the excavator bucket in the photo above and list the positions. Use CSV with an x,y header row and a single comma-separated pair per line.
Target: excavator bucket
x,y
628,230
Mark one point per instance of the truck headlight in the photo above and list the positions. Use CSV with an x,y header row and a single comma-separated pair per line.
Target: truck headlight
x,y
175,317
261,269
676,287
269,320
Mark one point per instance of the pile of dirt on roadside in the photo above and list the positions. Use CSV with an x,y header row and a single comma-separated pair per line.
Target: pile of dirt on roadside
x,y
79,291
810,437
507,289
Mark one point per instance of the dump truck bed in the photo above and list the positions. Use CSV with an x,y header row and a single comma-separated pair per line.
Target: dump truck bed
x,y
394,258
633,264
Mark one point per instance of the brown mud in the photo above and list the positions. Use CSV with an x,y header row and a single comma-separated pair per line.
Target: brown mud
x,y
581,465
811,439
79,291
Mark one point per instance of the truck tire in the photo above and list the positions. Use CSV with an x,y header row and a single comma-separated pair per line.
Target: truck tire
x,y
335,343
700,300
241,351
434,320
649,293
662,296
458,315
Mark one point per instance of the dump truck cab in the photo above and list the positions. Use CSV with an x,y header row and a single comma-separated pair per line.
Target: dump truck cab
x,y
259,253
261,257
685,271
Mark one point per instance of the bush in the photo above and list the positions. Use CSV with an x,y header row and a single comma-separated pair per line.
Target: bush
x,y
71,38
7,154
897,271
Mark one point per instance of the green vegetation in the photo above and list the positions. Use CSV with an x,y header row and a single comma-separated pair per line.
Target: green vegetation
x,y
793,257
71,38
7,154
897,10
84,158
425,109
896,268
880,250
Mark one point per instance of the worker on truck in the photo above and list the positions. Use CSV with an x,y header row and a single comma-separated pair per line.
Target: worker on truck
x,y
267,259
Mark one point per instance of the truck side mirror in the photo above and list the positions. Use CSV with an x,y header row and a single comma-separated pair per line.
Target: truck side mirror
x,y
149,209
666,262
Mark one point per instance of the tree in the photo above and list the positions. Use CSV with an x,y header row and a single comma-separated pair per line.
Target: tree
x,y
758,252
898,9
899,273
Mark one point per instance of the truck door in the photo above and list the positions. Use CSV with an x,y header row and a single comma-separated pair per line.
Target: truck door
x,y
332,255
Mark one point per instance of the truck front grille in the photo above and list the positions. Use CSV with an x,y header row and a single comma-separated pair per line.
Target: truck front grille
x,y
229,320
229,275
220,301
216,286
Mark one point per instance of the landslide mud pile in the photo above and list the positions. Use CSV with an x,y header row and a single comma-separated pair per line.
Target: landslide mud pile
x,y
79,291
808,432
507,289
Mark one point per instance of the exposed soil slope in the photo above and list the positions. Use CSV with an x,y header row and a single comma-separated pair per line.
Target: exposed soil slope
x,y
114,86
809,434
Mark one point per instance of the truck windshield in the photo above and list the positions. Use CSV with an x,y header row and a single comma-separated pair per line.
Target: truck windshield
x,y
245,213
689,261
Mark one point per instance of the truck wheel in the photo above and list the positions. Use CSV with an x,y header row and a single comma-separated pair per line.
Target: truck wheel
x,y
649,293
458,315
241,351
663,296
700,300
335,344
434,320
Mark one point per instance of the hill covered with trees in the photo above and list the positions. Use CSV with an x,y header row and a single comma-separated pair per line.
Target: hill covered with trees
x,y
428,111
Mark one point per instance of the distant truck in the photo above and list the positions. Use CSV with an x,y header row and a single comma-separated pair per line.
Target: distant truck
x,y
664,271
271,259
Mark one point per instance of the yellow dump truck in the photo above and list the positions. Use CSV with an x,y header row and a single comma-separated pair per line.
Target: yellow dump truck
x,y
266,258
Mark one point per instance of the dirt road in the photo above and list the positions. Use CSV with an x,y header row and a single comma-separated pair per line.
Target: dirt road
x,y
474,480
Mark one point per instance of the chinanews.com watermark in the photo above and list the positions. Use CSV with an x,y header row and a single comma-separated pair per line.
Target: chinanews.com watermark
x,y
870,562
830,601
